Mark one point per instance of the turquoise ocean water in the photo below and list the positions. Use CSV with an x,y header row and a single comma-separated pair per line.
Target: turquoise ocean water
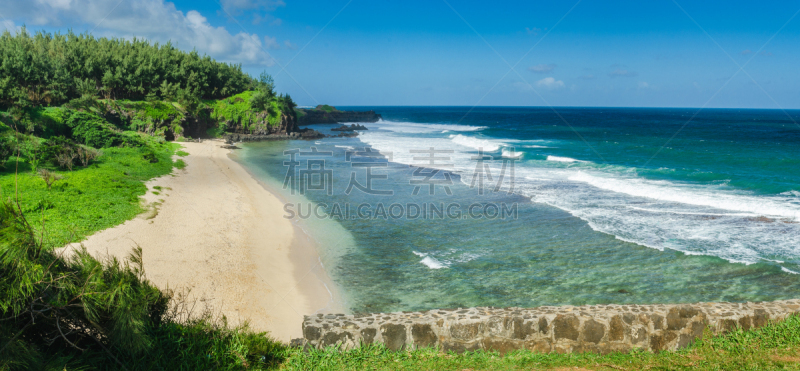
x,y
610,205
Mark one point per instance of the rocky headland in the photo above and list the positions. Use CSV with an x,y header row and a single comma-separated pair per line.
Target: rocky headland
x,y
352,127
325,114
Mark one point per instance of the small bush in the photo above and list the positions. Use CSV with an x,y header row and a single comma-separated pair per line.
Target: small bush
x,y
49,177
92,130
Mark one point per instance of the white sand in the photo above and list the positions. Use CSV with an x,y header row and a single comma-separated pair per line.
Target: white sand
x,y
221,234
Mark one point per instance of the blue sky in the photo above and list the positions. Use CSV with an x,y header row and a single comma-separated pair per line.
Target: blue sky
x,y
565,53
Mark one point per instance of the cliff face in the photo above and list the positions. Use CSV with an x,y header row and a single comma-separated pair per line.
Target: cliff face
x,y
317,116
260,126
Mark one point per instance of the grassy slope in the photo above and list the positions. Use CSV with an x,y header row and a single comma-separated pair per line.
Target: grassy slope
x,y
237,108
90,199
774,347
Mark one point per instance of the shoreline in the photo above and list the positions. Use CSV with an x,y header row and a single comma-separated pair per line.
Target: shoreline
x,y
218,232
304,251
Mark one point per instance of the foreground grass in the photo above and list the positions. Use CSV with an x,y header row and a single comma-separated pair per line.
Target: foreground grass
x,y
90,199
774,347
194,345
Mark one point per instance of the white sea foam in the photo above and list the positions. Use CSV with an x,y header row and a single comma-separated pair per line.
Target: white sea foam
x,y
697,219
691,195
476,143
413,127
509,153
563,159
430,262
789,271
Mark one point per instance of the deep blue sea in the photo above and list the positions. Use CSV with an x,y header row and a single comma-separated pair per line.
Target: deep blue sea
x,y
604,205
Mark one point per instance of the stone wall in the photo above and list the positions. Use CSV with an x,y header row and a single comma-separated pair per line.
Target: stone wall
x,y
594,328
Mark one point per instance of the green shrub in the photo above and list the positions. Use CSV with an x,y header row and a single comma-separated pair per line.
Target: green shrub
x,y
92,130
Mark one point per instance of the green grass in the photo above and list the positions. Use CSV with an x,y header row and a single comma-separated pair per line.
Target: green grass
x,y
180,164
86,200
237,109
326,108
774,347
182,153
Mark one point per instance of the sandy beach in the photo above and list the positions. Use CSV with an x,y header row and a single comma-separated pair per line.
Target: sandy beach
x,y
217,231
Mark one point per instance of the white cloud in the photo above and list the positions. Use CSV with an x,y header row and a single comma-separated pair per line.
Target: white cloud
x,y
643,85
289,45
271,43
155,20
550,83
542,68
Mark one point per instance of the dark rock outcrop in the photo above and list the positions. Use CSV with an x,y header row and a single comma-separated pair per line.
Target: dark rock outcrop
x,y
318,116
352,127
235,137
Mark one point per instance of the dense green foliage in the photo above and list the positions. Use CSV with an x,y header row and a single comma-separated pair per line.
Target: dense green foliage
x,y
151,117
248,108
47,69
235,109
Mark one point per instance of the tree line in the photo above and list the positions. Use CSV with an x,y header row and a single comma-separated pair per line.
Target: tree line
x,y
44,69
